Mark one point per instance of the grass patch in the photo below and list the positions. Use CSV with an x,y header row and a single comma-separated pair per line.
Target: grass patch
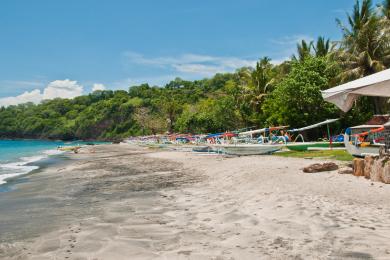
x,y
340,155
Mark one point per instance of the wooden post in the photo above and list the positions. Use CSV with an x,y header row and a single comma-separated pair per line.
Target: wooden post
x,y
368,163
329,137
358,167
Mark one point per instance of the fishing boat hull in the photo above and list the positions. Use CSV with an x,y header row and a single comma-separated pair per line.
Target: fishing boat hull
x,y
361,152
202,149
242,150
312,145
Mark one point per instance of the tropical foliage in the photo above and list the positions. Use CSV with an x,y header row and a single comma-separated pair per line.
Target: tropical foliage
x,y
297,99
267,94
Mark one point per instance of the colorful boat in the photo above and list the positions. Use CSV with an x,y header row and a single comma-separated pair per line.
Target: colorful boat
x,y
359,146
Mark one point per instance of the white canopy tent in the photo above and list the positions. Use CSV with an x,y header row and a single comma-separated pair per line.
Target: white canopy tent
x,y
343,96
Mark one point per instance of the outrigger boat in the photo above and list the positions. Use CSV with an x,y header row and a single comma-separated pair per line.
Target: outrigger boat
x,y
304,146
365,143
265,135
212,143
247,144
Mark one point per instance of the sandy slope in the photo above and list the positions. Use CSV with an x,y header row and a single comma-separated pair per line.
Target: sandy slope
x,y
265,206
185,206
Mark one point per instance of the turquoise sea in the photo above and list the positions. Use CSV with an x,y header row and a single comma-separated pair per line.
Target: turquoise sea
x,y
19,157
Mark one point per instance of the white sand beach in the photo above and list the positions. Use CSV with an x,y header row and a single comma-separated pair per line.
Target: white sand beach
x,y
123,202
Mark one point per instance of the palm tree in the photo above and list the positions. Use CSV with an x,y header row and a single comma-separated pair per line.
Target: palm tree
x,y
240,90
385,9
319,49
365,48
250,88
303,50
365,45
323,47
262,81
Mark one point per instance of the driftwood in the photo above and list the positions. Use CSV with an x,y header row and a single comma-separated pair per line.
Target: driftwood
x,y
321,167
358,167
376,168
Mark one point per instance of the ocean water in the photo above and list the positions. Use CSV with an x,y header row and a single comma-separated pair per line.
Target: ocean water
x,y
18,157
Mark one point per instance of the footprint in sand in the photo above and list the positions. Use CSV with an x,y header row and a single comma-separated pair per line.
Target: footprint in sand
x,y
372,228
187,253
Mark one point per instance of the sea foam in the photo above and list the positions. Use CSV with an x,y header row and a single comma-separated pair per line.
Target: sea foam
x,y
15,169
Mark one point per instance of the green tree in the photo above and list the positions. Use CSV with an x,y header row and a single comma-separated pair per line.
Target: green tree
x,y
209,115
297,100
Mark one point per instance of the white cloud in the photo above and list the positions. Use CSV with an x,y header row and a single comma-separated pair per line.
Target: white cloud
x,y
191,64
98,86
62,89
55,89
34,96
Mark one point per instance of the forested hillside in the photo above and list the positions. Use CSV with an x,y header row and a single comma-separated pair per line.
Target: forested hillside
x,y
268,94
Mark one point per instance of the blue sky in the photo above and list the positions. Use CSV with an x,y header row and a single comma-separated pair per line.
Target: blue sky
x,y
119,43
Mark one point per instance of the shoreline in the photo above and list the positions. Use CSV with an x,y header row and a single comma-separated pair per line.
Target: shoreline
x,y
41,164
56,140
27,162
126,202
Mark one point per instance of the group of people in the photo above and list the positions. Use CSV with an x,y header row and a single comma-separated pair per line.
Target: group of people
x,y
283,137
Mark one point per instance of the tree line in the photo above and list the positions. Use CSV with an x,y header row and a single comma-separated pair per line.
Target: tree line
x,y
267,94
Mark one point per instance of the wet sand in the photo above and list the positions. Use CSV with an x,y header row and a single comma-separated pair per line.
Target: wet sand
x,y
123,202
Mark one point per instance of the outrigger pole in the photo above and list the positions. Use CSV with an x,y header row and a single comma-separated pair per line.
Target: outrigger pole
x,y
326,122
